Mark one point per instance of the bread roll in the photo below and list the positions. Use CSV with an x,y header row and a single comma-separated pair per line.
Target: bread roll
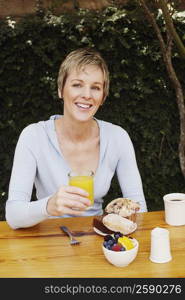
x,y
115,222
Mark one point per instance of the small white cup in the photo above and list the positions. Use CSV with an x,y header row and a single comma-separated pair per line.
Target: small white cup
x,y
160,246
174,205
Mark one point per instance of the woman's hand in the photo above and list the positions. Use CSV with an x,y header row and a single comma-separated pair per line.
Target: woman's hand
x,y
68,200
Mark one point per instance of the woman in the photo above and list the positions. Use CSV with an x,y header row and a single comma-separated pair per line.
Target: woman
x,y
48,150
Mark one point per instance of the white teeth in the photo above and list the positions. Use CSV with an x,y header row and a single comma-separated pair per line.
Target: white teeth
x,y
83,105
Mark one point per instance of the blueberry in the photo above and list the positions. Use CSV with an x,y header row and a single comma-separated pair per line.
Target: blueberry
x,y
111,242
105,244
117,235
109,247
108,237
123,249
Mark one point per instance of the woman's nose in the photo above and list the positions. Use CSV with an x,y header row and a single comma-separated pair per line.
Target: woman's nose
x,y
86,93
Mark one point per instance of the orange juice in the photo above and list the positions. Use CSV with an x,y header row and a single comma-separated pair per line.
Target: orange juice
x,y
85,182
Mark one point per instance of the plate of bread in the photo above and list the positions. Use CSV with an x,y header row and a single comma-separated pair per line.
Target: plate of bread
x,y
120,216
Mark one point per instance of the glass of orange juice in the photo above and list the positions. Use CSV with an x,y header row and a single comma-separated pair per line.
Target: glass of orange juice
x,y
85,181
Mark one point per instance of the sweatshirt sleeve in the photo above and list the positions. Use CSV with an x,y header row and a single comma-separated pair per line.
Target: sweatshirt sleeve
x,y
20,210
127,171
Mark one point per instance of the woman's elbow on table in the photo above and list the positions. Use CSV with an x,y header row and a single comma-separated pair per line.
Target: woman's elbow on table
x,y
16,214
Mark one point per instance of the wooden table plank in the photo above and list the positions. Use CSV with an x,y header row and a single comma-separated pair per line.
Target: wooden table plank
x,y
44,251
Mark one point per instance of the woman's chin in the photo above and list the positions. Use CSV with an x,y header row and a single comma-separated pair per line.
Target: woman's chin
x,y
84,116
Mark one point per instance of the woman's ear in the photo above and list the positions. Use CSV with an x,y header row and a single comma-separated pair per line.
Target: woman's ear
x,y
59,94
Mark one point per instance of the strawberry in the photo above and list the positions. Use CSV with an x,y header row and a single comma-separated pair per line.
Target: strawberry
x,y
116,247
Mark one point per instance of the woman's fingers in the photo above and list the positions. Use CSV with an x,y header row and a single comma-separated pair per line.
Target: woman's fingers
x,y
75,190
76,200
69,211
69,203
75,194
68,200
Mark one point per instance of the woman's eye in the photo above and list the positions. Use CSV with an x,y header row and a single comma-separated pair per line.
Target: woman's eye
x,y
77,85
96,88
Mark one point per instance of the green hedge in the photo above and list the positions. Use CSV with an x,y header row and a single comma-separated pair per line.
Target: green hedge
x,y
141,98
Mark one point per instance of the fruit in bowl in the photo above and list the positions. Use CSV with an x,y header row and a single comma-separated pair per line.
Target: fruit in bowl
x,y
120,250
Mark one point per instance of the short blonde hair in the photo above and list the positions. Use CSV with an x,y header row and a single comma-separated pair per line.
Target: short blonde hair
x,y
77,60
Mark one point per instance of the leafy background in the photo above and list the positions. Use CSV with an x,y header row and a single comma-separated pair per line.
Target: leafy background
x,y
141,99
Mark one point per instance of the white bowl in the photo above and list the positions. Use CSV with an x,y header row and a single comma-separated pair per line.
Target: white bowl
x,y
121,258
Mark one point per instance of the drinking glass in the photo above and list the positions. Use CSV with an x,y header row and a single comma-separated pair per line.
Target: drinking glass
x,y
83,180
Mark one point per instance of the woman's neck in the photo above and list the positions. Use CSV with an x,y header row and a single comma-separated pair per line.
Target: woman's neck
x,y
77,131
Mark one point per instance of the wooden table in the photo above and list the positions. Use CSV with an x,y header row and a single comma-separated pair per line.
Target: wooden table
x,y
44,251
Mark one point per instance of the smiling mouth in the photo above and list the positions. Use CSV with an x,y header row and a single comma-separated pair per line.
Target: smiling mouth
x,y
83,106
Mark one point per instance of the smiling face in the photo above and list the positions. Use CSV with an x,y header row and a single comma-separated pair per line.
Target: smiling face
x,y
83,93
